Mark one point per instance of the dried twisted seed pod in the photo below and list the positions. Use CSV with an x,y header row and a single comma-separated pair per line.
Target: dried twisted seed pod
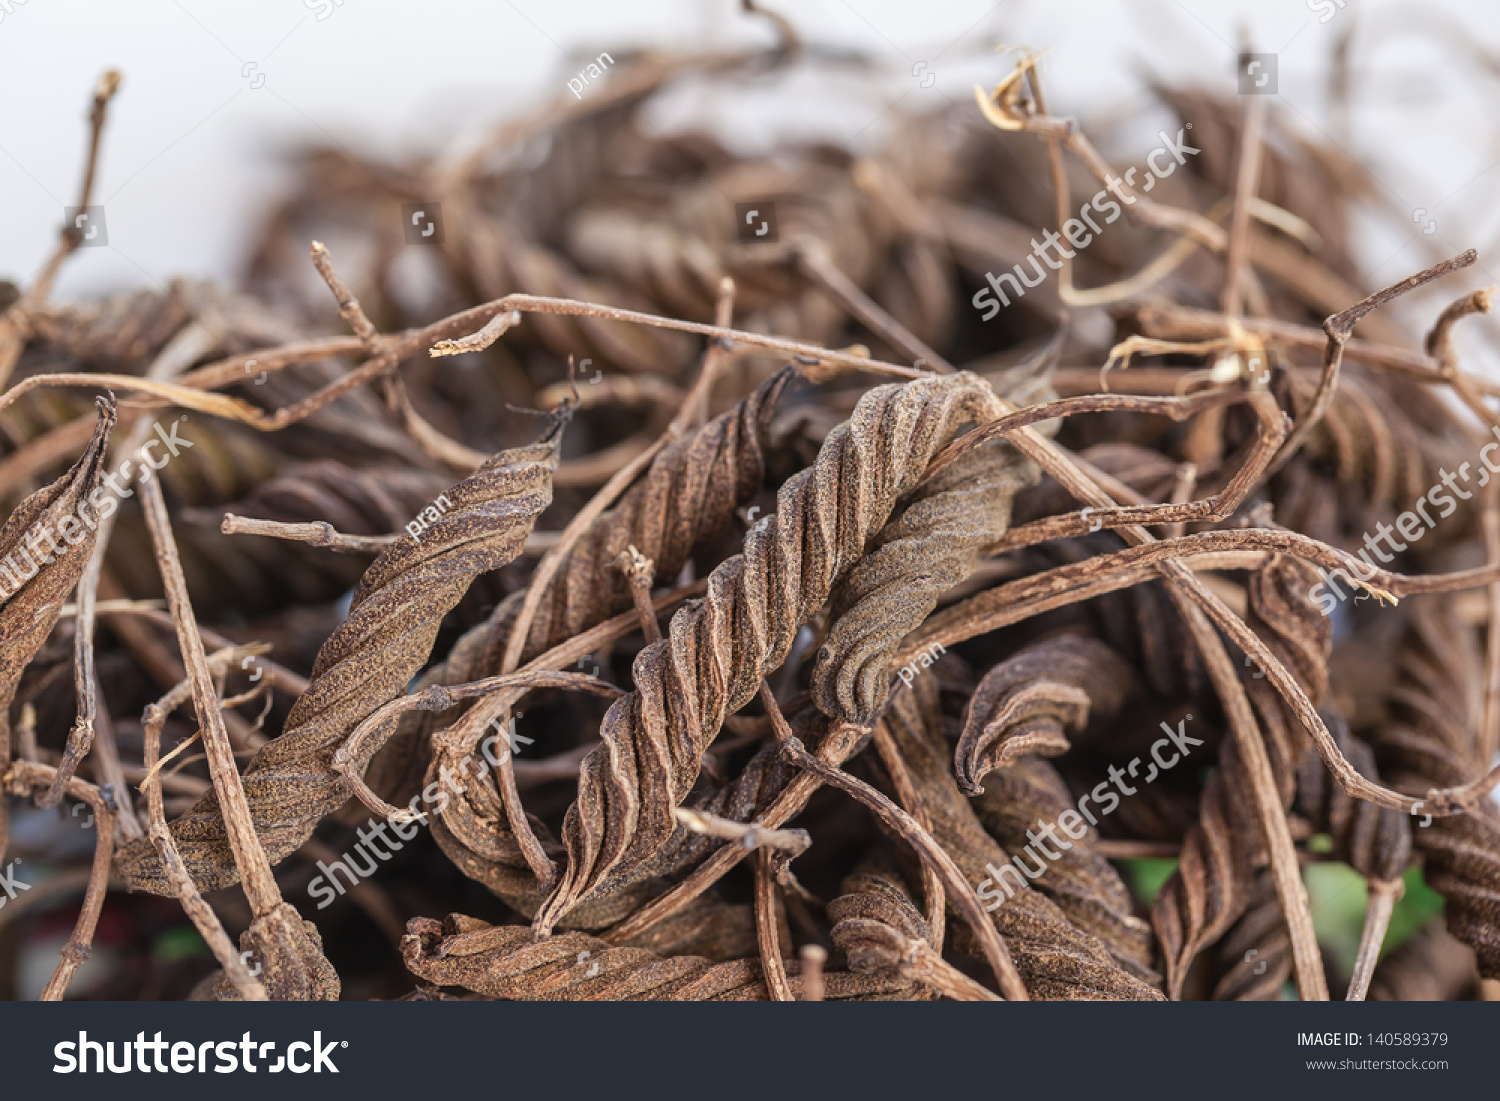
x,y
1257,952
1028,702
1374,841
1056,959
720,650
933,545
930,547
880,933
1428,742
289,952
1210,888
36,574
504,961
394,617
1084,885
686,497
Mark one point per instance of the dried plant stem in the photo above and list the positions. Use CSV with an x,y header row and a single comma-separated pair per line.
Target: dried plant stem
x,y
15,323
1384,894
748,834
1338,327
1165,320
639,572
814,956
1312,984
348,758
959,889
198,911
320,533
1016,600
27,776
1237,253
1440,347
933,895
814,262
250,858
432,442
835,748
1182,493
1001,108
767,930
178,353
293,683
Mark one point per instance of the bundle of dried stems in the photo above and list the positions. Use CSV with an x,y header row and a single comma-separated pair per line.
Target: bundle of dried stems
x,y
922,622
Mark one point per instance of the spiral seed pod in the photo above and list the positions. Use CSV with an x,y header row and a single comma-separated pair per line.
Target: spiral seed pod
x,y
1056,959
394,616
1257,952
720,649
933,545
1211,886
1029,702
37,571
686,497
503,961
1427,743
1084,885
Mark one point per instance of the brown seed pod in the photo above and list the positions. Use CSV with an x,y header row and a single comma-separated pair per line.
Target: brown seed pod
x,y
503,961
1426,743
719,650
1085,885
1210,888
291,784
932,546
1055,958
1029,702
686,497
37,572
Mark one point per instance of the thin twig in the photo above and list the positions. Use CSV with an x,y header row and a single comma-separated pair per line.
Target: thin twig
x,y
813,958
198,911
933,894
959,889
1237,253
1384,894
25,776
768,929
1338,327
639,572
249,857
15,323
